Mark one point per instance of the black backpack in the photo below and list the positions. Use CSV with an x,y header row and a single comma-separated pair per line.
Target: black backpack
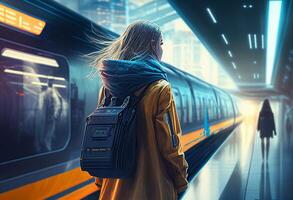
x,y
109,145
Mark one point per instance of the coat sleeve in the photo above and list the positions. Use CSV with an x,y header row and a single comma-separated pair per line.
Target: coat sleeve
x,y
170,150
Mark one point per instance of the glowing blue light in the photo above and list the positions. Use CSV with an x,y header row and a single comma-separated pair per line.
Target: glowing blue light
x,y
211,15
272,37
255,41
249,41
230,54
262,42
225,39
234,65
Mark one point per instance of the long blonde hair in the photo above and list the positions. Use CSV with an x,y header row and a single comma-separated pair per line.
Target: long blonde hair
x,y
134,44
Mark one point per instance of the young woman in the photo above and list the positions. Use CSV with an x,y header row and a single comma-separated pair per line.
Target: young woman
x,y
266,126
127,65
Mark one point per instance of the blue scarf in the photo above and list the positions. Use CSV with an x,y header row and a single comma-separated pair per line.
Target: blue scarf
x,y
123,77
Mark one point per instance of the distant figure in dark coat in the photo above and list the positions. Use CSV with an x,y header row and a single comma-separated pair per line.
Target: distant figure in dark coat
x,y
266,126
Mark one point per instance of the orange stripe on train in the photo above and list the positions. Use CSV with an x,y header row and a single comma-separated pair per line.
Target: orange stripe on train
x,y
55,184
48,187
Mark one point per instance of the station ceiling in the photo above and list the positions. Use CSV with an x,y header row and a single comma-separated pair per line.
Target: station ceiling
x,y
235,32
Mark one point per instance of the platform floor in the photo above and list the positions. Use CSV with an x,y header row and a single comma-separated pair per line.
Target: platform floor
x,y
237,170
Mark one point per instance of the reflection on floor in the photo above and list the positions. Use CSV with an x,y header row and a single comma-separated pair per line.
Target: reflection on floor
x,y
237,170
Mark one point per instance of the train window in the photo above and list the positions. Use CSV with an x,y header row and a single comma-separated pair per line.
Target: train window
x,y
222,109
34,105
216,109
203,107
218,103
211,116
190,108
178,102
212,110
184,108
198,107
230,108
226,108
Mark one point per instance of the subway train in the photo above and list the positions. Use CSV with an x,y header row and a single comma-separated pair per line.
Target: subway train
x,y
46,94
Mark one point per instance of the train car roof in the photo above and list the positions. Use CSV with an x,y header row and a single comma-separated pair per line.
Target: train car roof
x,y
54,11
194,78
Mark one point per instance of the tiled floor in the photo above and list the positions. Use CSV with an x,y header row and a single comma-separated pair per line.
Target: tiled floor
x,y
237,170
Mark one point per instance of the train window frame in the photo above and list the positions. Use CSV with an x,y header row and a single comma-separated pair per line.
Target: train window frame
x,y
185,108
64,69
211,116
226,109
202,109
197,107
190,106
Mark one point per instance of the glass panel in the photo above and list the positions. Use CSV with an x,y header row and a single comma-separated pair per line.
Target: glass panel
x,y
190,108
34,107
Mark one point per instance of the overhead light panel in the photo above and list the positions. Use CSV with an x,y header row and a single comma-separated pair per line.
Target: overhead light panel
x,y
273,25
19,55
225,39
211,15
255,41
234,65
249,41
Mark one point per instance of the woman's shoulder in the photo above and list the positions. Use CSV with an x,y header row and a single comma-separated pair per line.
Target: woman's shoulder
x,y
160,85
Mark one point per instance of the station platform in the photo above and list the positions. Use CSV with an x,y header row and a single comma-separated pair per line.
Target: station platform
x,y
238,171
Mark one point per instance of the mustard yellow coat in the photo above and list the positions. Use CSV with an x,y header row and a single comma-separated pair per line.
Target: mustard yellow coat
x,y
161,169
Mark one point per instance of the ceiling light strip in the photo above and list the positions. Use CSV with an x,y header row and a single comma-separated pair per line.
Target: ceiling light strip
x,y
234,65
249,41
272,37
230,54
211,15
225,39
262,41
255,41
